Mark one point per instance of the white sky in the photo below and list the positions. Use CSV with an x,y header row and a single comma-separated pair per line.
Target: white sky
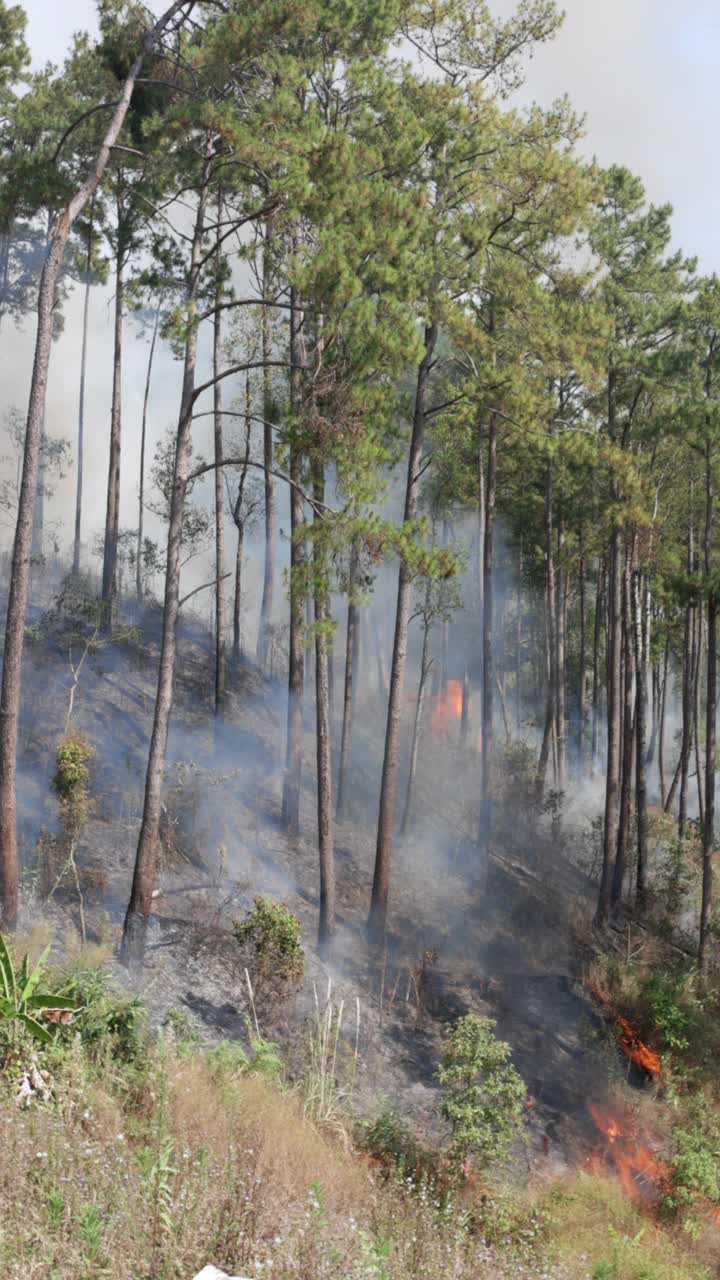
x,y
645,72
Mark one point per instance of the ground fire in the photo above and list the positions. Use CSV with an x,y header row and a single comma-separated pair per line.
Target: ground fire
x,y
628,1039
446,710
643,1175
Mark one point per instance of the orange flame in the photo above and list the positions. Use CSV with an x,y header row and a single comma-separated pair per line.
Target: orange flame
x,y
642,1174
629,1040
448,708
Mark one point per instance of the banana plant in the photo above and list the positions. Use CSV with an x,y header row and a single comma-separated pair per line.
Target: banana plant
x,y
21,1000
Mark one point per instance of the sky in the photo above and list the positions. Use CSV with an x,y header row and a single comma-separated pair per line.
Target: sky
x,y
646,75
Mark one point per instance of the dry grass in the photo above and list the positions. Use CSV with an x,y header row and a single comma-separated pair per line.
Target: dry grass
x,y
150,1171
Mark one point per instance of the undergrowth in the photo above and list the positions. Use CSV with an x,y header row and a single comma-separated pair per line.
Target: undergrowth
x,y
148,1155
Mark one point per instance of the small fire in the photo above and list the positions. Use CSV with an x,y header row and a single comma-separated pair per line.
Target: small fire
x,y
447,708
643,1175
628,1039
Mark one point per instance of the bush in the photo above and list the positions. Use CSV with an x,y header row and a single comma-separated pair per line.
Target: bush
x,y
274,932
673,1023
70,783
483,1094
695,1169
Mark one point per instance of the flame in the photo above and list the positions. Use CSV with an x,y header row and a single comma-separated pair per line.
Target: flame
x,y
629,1040
643,1176
448,708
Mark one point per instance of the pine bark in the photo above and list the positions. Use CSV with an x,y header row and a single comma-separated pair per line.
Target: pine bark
x,y
266,606
219,494
326,923
614,663
351,643
22,544
640,620
488,674
296,668
81,405
132,949
112,511
628,737
711,719
425,664
383,853
139,591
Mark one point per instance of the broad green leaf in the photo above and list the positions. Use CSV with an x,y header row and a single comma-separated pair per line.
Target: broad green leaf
x,y
44,1001
35,1028
37,973
7,973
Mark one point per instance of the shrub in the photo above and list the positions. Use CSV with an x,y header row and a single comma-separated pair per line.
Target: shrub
x,y
274,932
23,1004
110,1021
695,1169
482,1093
70,783
673,1023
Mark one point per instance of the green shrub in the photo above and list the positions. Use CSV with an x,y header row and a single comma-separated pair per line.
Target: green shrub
x,y
110,1021
695,1169
664,993
70,783
274,932
482,1093
23,1002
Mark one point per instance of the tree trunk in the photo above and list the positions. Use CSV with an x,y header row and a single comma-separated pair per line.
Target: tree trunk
x,y
351,641
661,726
139,590
582,710
710,726
550,646
22,544
628,736
561,716
237,597
481,553
599,610
640,608
697,694
219,492
486,802
296,670
132,949
383,853
81,406
425,663
326,923
688,702
112,513
266,606
612,780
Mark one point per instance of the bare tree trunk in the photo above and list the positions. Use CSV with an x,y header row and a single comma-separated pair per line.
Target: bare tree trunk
x,y
640,609
425,664
711,720
688,707
661,727
22,545
628,736
139,591
132,949
383,854
266,606
582,711
486,799
296,672
518,642
219,493
561,715
237,597
326,924
550,645
112,513
697,711
481,554
348,688
81,406
599,609
612,780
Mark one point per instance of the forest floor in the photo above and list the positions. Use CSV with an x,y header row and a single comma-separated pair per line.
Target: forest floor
x,y
508,949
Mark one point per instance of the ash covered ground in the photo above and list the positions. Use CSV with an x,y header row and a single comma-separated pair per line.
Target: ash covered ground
x,y
506,947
